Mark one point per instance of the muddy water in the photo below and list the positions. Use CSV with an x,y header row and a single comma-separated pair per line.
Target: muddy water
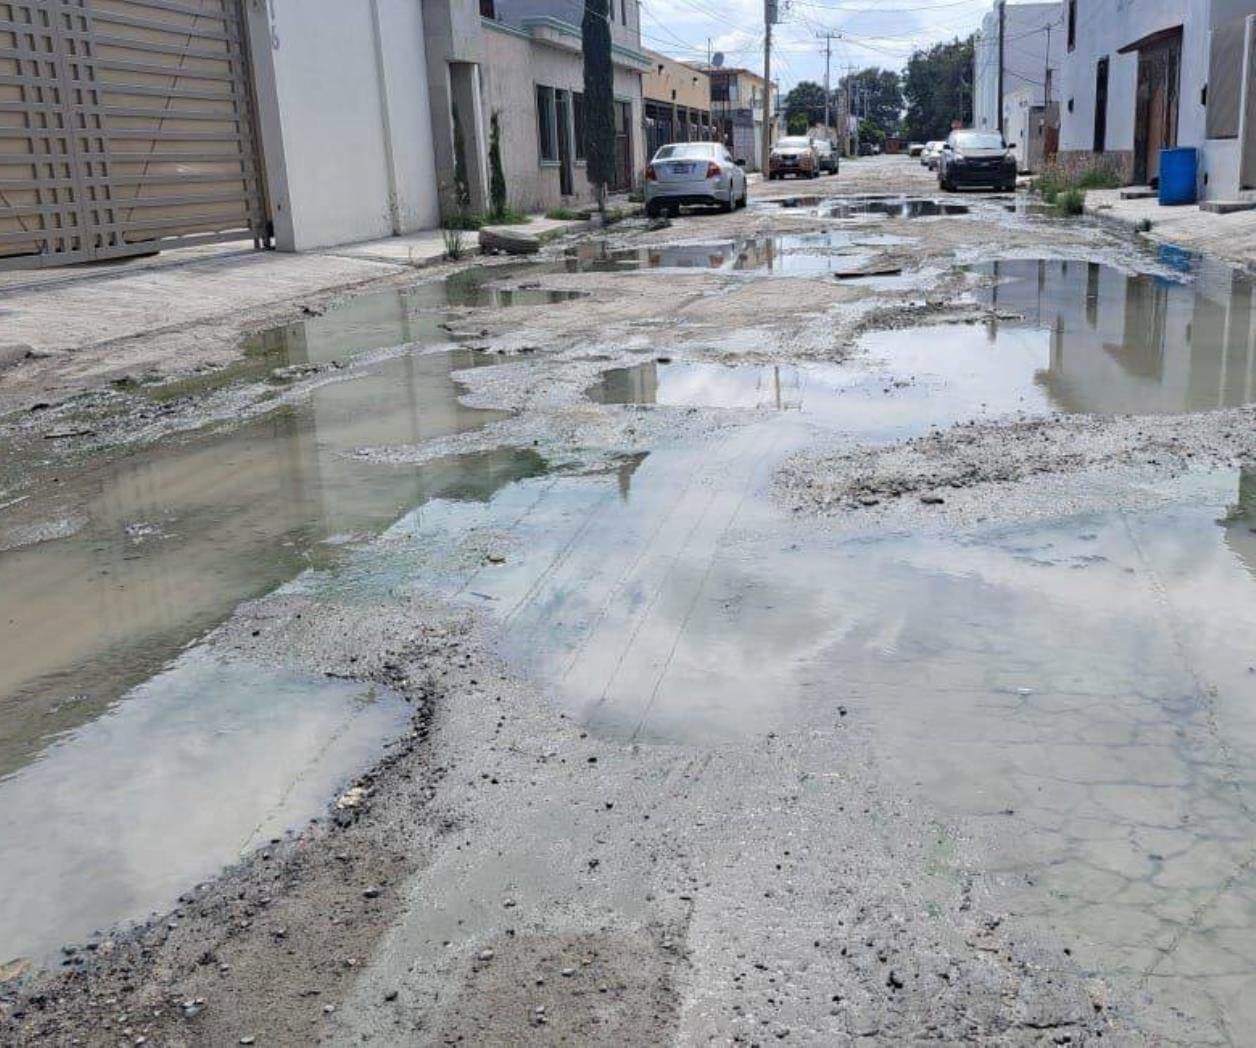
x,y
863,207
166,542
115,793
199,765
896,207
802,255
1133,343
1080,689
1079,338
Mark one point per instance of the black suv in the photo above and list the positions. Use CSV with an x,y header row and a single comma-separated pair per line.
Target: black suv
x,y
977,158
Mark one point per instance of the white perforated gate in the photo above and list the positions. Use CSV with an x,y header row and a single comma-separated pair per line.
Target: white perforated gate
x,y
125,126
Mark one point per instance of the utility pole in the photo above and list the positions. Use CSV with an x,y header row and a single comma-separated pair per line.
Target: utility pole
x,y
1046,75
769,16
827,37
1002,35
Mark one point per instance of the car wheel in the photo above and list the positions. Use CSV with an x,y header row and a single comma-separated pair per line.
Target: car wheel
x,y
727,205
652,209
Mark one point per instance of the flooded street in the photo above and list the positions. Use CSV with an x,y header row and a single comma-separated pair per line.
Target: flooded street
x,y
834,617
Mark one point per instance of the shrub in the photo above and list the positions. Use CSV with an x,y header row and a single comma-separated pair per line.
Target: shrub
x,y
563,214
1071,201
497,175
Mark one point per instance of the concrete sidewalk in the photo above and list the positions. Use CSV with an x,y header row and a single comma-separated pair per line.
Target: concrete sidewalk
x,y
1229,237
61,310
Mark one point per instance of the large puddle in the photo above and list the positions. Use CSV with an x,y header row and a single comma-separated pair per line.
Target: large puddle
x,y
802,255
198,766
1136,343
1081,338
1083,684
870,207
113,790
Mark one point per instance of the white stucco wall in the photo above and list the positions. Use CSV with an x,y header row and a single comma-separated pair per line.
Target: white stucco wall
x,y
1105,26
321,88
1025,57
514,65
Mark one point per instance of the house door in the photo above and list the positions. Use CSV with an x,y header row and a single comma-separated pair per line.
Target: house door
x,y
623,147
562,111
1156,105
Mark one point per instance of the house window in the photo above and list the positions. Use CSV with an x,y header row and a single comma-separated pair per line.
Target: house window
x,y
1072,24
547,123
719,90
623,11
487,9
577,116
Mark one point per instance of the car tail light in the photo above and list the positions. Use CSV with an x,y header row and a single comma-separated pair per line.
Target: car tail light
x,y
650,175
713,170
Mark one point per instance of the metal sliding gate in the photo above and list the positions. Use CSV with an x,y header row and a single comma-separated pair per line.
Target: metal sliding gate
x,y
126,126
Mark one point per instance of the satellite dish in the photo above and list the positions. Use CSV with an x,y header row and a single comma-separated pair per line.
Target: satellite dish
x,y
717,59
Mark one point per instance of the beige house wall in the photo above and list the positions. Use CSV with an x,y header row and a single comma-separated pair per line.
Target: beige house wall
x,y
515,63
673,82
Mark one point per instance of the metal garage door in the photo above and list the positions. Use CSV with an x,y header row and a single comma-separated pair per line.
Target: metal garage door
x,y
125,126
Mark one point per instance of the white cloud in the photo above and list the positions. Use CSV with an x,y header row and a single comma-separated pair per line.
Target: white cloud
x,y
873,32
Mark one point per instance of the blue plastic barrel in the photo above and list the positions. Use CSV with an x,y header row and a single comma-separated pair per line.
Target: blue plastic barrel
x,y
1179,170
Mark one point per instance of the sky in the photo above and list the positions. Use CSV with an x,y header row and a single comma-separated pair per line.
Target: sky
x,y
872,32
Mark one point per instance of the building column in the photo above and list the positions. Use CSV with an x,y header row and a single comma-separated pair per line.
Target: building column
x,y
453,40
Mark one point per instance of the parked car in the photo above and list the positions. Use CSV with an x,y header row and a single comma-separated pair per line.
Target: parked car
x,y
869,149
931,154
793,155
915,148
977,158
826,154
694,173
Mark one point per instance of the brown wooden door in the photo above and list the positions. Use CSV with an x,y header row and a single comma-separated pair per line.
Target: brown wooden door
x,y
1156,106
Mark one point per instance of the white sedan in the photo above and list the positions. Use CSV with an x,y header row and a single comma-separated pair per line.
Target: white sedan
x,y
693,173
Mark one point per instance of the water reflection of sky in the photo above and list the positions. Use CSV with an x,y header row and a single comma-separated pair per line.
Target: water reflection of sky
x,y
1090,674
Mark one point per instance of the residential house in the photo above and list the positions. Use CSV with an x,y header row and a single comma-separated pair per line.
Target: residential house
x,y
1139,77
533,81
677,103
310,123
1030,38
737,108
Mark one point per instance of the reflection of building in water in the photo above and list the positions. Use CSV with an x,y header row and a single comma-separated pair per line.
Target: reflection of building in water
x,y
635,385
179,535
1140,344
1240,522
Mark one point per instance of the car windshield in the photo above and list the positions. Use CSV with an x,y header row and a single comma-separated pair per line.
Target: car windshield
x,y
822,146
794,142
687,150
978,140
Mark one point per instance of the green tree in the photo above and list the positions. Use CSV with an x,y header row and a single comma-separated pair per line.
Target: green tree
x,y
497,176
797,124
877,96
869,132
599,99
938,89
805,102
